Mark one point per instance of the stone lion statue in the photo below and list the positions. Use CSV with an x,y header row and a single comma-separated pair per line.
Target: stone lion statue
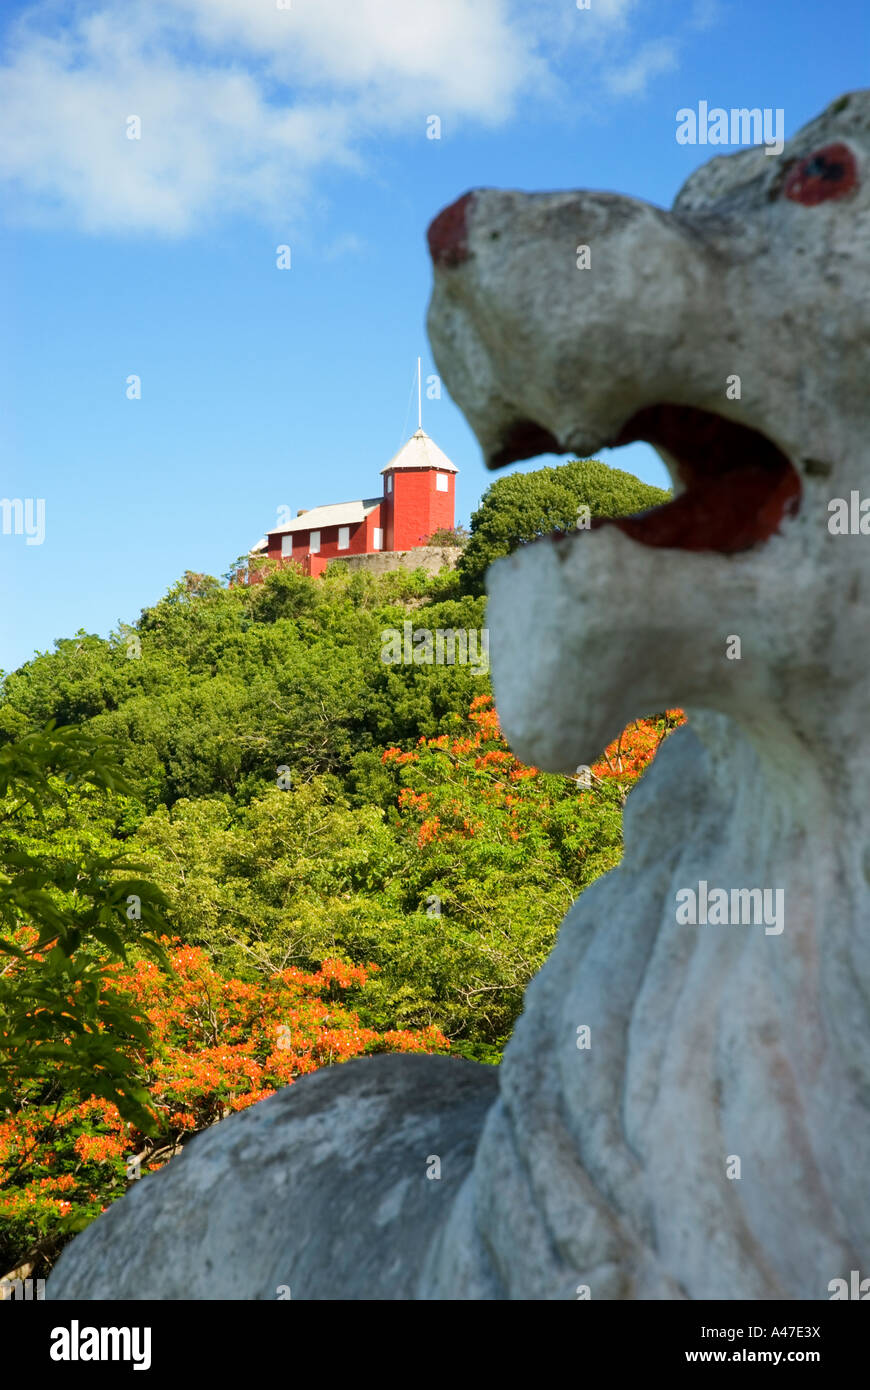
x,y
683,1111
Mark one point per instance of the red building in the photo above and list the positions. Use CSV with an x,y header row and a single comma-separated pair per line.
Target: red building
x,y
418,499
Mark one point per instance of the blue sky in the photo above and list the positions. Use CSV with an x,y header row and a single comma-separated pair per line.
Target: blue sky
x,y
302,126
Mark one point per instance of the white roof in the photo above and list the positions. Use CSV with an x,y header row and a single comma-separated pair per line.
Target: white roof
x,y
421,452
335,514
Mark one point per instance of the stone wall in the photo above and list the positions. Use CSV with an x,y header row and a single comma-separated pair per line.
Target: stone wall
x,y
430,558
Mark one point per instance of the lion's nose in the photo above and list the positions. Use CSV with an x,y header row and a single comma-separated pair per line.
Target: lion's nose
x,y
448,233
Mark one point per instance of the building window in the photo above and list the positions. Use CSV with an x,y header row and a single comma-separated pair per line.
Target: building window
x,y
314,543
343,537
287,545
377,538
440,482
389,482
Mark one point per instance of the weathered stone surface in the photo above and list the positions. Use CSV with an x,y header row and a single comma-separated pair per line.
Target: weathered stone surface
x,y
718,1040
431,558
608,1167
321,1190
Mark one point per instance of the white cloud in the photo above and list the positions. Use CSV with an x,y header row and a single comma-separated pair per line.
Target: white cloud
x,y
464,53
632,78
347,244
239,102
243,104
705,14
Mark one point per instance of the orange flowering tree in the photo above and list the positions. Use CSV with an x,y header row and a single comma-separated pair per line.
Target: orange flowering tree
x,y
497,852
468,784
216,1045
627,757
110,1056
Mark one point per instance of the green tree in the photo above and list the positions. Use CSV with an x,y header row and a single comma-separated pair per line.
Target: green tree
x,y
216,687
526,506
454,886
71,903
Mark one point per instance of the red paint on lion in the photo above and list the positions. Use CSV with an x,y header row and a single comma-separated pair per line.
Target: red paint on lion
x,y
738,486
448,234
830,172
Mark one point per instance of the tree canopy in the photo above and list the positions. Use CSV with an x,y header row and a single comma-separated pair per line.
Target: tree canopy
x,y
224,822
523,507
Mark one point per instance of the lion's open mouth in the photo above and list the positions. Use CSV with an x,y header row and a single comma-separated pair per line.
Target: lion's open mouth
x,y
738,486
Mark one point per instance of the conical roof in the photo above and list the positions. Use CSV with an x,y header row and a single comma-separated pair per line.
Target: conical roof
x,y
421,452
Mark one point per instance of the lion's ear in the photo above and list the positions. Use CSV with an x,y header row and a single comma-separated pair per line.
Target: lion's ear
x,y
721,177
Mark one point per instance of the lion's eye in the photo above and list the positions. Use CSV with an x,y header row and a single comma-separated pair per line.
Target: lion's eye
x,y
827,173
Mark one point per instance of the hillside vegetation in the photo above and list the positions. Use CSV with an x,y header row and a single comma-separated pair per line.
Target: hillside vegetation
x,y
235,844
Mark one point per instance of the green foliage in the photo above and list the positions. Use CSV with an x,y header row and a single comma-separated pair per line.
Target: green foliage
x,y
302,874
218,686
449,535
144,769
523,507
224,685
67,892
216,1045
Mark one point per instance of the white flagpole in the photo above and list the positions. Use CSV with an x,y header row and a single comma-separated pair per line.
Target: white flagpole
x,y
419,398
